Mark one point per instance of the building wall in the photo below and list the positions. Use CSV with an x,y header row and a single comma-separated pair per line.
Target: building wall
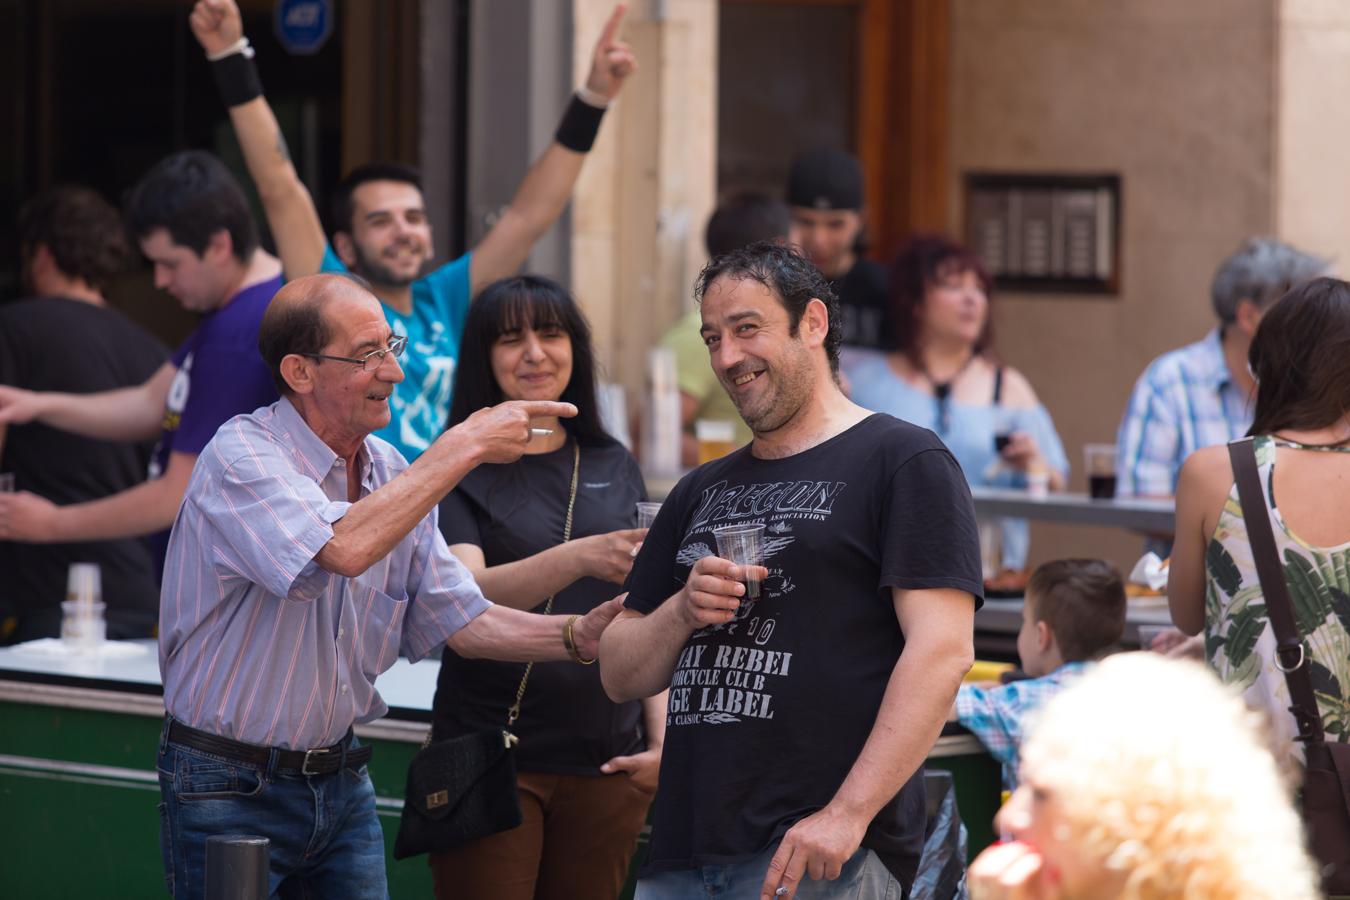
x,y
1180,100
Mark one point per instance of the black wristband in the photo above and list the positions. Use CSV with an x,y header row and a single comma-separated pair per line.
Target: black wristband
x,y
236,79
579,126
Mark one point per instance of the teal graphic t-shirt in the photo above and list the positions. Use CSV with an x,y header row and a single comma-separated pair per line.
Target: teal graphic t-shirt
x,y
420,403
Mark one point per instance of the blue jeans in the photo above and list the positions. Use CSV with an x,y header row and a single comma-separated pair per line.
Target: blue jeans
x,y
325,838
863,877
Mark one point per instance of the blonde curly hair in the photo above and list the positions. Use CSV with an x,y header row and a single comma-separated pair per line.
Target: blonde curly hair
x,y
1163,778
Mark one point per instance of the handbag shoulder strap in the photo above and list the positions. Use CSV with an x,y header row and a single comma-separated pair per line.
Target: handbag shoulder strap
x,y
1289,653
513,712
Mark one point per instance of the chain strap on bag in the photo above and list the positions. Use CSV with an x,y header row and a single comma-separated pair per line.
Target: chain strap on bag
x,y
464,788
1326,775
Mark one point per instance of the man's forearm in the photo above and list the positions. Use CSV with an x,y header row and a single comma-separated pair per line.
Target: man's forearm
x,y
512,636
120,415
640,652
286,201
918,698
374,525
135,512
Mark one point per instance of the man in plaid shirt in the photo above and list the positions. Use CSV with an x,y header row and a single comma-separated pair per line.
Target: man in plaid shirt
x,y
1074,613
1200,395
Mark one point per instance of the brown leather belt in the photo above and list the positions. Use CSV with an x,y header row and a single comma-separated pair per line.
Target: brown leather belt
x,y
319,761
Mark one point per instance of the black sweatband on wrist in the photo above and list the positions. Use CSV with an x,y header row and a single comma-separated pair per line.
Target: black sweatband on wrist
x,y
579,126
236,79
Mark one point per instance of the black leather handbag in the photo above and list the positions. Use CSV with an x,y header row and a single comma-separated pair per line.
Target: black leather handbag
x,y
464,788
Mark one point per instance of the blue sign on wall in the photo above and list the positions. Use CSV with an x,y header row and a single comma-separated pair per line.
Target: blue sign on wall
x,y
303,26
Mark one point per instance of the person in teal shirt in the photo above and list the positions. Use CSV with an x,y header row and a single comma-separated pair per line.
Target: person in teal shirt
x,y
381,229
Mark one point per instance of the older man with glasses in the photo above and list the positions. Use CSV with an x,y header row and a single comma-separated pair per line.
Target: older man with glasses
x,y
304,562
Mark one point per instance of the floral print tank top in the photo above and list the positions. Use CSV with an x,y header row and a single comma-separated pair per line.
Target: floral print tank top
x,y
1239,641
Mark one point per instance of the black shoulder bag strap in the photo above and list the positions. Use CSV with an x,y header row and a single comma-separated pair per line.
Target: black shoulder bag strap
x,y
1289,655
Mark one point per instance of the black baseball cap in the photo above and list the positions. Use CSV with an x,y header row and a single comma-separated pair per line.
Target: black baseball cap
x,y
825,178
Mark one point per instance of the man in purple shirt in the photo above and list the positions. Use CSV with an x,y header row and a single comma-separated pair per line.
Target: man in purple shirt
x,y
305,560
193,223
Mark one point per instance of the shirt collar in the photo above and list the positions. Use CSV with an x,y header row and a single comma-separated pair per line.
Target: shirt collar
x,y
316,456
1211,364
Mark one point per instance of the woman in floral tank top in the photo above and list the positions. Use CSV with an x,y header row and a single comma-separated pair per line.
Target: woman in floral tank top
x,y
1301,360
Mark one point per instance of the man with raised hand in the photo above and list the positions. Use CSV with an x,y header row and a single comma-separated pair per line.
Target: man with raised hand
x,y
381,229
305,561
798,720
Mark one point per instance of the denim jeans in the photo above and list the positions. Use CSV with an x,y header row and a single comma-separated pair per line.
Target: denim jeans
x,y
863,877
325,838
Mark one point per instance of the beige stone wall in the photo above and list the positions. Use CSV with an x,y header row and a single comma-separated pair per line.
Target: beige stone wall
x,y
1178,97
1313,80
650,183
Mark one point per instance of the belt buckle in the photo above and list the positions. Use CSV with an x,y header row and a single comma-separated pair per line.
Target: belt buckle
x,y
304,766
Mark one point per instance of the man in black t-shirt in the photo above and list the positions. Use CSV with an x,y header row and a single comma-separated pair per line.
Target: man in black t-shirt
x,y
798,722
67,339
825,192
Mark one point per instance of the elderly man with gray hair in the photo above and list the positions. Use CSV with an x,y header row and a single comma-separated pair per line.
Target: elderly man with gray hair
x,y
1199,395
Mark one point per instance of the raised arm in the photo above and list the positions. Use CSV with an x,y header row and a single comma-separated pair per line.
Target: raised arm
x,y
547,186
126,414
376,523
938,626
641,651
290,210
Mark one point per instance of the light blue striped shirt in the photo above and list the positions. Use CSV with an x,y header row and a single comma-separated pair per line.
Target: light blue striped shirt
x,y
256,641
1186,399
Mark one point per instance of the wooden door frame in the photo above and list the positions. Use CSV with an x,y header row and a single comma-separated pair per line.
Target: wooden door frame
x,y
900,116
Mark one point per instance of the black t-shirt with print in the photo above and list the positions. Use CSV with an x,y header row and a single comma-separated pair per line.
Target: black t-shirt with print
x,y
768,713
864,306
567,725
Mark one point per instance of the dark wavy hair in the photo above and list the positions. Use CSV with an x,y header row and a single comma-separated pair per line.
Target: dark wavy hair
x,y
1300,357
81,231
536,302
921,262
788,275
192,195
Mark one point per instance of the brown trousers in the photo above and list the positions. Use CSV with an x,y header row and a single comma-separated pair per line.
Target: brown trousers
x,y
576,840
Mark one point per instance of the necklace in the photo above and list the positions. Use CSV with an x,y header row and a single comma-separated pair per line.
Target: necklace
x,y
942,392
1300,445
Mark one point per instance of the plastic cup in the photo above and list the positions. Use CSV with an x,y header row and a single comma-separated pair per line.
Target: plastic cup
x,y
84,584
743,545
716,438
646,513
1099,461
6,482
83,625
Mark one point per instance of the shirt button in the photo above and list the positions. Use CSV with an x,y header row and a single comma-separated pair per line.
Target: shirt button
x,y
344,689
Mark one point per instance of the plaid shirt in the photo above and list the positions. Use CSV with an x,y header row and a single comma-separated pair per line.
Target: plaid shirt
x,y
1185,400
997,715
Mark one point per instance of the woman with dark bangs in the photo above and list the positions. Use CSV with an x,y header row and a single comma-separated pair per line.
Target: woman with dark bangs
x,y
944,375
587,767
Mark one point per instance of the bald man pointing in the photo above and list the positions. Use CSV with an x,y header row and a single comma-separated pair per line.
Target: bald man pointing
x,y
304,561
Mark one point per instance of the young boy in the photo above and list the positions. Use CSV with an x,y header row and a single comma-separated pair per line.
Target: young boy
x,y
1073,614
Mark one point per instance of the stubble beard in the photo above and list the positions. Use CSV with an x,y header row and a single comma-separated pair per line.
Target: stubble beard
x,y
377,273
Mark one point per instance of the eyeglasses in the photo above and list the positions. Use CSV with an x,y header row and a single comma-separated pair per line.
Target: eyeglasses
x,y
372,360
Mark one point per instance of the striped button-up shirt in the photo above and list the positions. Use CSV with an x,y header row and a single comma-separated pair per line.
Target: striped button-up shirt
x,y
256,641
1185,400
